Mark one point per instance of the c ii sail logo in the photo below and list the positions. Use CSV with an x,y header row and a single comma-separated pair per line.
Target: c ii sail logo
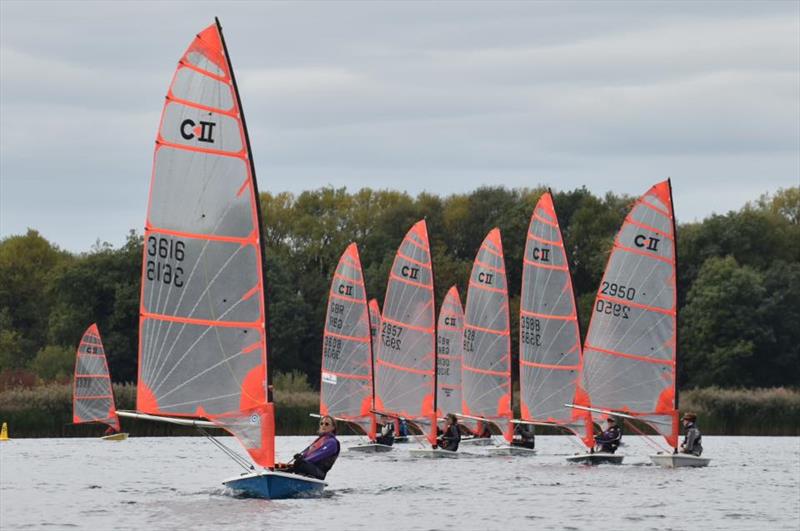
x,y
648,242
410,272
543,255
485,278
203,131
345,289
450,321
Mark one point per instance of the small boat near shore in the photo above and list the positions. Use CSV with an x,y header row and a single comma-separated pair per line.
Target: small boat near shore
x,y
92,394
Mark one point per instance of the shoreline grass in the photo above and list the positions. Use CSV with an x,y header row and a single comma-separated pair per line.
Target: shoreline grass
x,y
46,411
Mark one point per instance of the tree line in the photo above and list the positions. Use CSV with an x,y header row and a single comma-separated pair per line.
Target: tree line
x,y
738,278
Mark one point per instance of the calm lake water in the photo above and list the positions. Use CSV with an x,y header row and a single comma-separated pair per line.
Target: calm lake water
x,y
174,483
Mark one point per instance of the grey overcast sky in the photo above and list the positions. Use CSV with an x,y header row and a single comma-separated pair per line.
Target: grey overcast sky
x,y
441,97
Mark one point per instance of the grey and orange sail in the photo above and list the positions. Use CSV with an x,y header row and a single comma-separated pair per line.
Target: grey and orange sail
x,y
550,355
346,379
486,363
92,394
405,358
630,349
450,346
203,334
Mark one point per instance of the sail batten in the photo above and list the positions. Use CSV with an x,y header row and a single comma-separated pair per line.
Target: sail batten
x,y
203,333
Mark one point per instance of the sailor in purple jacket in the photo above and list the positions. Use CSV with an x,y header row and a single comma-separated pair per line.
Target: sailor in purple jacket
x,y
319,456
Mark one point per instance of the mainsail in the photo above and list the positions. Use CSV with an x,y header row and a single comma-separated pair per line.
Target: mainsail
x,y
405,361
629,352
346,388
203,337
486,363
550,357
92,395
450,344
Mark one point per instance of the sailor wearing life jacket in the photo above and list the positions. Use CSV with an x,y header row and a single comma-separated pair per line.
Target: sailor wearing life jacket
x,y
318,458
387,432
451,436
609,440
692,441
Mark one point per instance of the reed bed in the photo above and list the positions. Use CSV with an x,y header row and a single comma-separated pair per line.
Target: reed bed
x,y
46,411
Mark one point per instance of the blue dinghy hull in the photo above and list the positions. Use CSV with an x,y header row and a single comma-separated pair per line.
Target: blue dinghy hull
x,y
275,485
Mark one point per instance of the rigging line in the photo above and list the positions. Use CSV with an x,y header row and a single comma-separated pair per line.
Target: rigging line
x,y
239,460
647,438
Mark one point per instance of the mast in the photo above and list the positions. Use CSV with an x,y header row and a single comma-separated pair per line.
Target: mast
x,y
259,216
435,338
677,300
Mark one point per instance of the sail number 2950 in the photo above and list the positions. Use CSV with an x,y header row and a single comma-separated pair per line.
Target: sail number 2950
x,y
163,258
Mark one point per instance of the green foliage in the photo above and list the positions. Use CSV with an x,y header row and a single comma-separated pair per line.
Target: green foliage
x,y
26,265
740,325
54,363
739,276
291,382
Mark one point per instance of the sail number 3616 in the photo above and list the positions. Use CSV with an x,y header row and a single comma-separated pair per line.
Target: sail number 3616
x,y
162,255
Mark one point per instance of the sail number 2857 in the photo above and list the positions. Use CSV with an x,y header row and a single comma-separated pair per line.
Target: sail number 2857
x,y
164,256
390,334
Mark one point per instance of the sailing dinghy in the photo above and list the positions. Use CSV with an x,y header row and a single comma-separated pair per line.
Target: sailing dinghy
x,y
630,352
203,335
450,348
92,394
550,356
405,359
486,363
346,387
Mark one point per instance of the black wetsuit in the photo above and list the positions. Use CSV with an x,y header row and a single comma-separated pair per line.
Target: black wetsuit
x,y
609,439
387,435
450,439
524,437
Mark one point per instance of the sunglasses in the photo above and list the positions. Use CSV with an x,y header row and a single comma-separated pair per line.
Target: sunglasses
x,y
325,423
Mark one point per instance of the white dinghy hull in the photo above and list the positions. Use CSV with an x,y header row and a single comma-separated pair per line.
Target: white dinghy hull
x,y
435,453
477,441
597,458
679,460
508,450
370,448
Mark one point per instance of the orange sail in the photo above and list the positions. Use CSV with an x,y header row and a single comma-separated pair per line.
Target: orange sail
x,y
346,377
203,334
486,364
550,356
630,349
92,395
405,360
